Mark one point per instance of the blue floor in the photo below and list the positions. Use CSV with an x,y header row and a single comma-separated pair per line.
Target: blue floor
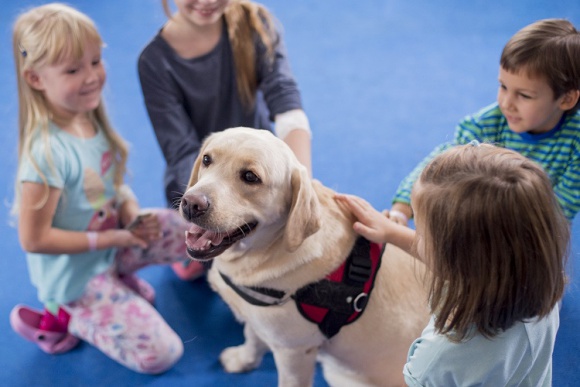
x,y
383,82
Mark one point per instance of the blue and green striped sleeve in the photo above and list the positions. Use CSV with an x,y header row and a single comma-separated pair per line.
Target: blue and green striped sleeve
x,y
467,130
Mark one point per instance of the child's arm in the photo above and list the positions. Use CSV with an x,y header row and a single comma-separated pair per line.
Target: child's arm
x,y
377,227
293,127
37,234
467,130
403,195
568,190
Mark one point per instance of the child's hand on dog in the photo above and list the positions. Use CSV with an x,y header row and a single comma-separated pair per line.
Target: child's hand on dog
x,y
374,225
370,223
145,226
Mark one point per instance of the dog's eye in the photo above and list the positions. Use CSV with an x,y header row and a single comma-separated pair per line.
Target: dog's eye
x,y
206,160
250,177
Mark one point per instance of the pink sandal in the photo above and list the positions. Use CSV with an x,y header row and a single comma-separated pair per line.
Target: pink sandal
x,y
34,326
189,270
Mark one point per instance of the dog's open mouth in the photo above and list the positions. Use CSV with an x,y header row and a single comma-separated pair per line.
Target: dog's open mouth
x,y
204,245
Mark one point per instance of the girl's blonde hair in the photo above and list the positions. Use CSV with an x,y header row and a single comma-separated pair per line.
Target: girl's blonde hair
x,y
245,21
495,238
47,35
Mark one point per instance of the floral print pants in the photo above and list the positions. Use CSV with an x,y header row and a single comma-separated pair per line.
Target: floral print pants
x,y
118,321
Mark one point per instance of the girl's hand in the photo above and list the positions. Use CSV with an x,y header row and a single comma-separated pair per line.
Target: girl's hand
x,y
376,226
121,238
371,224
146,226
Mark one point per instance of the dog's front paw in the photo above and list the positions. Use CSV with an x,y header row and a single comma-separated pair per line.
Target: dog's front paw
x,y
239,359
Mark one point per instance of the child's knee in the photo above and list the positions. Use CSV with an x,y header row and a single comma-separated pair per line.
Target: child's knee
x,y
160,356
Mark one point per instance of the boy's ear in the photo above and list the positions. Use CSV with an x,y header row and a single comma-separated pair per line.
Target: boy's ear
x,y
33,80
570,99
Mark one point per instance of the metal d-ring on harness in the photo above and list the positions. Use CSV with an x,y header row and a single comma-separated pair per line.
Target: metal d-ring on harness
x,y
342,296
335,301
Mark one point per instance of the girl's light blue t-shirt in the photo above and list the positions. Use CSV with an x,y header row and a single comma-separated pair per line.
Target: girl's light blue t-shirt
x,y
520,356
83,171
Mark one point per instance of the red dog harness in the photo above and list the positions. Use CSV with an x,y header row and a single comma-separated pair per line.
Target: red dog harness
x,y
333,302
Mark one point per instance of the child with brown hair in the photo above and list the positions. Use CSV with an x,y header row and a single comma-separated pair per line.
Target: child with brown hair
x,y
536,113
490,229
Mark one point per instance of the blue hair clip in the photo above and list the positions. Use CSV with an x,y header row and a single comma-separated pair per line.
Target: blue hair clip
x,y
474,143
22,50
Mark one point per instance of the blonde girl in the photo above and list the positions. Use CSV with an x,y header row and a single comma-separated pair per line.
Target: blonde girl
x,y
491,230
217,64
80,225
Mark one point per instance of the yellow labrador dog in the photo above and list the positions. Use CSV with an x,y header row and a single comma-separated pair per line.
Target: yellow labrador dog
x,y
289,265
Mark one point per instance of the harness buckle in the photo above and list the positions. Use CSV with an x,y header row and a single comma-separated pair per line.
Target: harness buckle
x,y
360,302
360,271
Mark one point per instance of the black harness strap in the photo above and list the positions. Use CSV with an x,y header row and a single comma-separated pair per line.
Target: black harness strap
x,y
340,301
335,296
335,301
257,295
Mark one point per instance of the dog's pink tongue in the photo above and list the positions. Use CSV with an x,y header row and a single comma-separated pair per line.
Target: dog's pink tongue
x,y
199,238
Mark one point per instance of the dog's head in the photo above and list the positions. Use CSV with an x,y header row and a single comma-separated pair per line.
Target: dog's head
x,y
247,190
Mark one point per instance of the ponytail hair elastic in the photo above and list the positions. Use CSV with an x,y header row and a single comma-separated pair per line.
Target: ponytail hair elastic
x,y
474,143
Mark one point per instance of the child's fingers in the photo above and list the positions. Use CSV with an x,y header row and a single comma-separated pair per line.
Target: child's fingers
x,y
360,204
363,210
343,205
369,219
126,238
148,234
367,232
360,228
344,202
151,227
354,203
149,221
140,242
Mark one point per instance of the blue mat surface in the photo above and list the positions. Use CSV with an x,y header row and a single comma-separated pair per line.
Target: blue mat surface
x,y
383,82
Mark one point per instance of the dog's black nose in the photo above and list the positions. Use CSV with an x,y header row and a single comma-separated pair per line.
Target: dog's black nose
x,y
194,205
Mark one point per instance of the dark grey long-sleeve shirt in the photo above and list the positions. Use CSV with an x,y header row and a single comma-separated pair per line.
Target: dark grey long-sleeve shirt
x,y
187,99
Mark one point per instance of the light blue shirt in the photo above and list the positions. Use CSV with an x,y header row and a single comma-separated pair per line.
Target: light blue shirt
x,y
520,356
83,171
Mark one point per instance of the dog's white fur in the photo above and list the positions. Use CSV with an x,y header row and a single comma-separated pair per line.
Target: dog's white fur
x,y
302,235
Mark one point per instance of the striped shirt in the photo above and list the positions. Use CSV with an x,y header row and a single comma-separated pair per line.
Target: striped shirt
x,y
557,151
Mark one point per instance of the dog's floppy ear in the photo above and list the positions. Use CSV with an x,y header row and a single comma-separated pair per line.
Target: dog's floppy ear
x,y
304,217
